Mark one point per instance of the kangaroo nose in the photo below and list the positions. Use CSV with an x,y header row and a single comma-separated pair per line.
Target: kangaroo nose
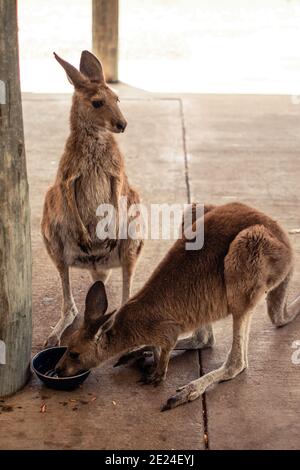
x,y
121,125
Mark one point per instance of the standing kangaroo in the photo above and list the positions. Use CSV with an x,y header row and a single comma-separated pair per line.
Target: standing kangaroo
x,y
246,256
91,172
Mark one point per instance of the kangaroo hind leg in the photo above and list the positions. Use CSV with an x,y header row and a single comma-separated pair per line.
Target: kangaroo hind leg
x,y
234,365
68,310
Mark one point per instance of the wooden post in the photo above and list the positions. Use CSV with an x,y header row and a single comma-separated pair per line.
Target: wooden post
x,y
106,35
15,250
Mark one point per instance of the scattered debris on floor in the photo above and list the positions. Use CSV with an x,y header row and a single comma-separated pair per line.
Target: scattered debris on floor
x,y
43,408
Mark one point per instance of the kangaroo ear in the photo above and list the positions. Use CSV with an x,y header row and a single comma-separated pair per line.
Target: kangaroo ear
x,y
73,75
91,67
95,307
107,322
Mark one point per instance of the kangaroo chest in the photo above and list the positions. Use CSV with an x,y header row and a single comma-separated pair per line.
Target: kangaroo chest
x,y
93,189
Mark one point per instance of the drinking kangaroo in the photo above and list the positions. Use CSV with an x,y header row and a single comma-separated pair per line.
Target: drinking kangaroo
x,y
246,257
91,172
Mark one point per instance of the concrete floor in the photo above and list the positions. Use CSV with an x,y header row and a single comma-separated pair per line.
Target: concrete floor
x,y
217,149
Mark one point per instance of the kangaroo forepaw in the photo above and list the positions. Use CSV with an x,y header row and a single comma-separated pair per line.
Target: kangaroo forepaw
x,y
137,357
85,242
146,368
155,378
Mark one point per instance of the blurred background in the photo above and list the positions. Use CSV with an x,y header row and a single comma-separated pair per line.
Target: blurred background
x,y
202,46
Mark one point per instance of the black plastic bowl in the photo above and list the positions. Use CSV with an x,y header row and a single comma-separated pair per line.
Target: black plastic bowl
x,y
46,360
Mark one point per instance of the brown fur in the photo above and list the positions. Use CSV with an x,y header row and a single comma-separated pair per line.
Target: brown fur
x,y
91,172
246,256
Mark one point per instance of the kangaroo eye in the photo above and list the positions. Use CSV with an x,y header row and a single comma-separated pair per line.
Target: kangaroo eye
x,y
73,355
97,103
